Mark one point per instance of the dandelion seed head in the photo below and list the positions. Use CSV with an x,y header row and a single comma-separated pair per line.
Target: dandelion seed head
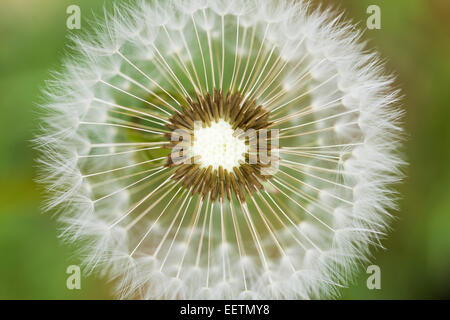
x,y
217,149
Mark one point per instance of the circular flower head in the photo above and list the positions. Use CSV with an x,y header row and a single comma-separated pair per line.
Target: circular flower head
x,y
222,149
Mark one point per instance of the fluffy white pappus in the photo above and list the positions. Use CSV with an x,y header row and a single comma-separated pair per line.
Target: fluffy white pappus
x,y
306,229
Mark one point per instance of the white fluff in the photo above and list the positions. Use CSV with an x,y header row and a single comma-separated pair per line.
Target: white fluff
x,y
301,238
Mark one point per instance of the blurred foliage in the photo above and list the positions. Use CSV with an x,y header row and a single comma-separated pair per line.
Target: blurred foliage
x,y
415,39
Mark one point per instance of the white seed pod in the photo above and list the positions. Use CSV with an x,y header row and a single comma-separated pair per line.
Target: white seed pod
x,y
222,149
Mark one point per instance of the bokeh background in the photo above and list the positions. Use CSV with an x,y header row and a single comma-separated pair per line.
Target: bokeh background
x,y
415,40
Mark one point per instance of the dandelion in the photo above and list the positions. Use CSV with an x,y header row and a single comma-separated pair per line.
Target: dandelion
x,y
222,149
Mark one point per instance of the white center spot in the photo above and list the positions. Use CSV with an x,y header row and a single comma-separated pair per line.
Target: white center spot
x,y
217,146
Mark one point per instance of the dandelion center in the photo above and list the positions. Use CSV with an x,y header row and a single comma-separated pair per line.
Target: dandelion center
x,y
220,144
217,146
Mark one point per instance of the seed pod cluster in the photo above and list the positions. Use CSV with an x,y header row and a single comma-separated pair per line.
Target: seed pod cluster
x,y
247,118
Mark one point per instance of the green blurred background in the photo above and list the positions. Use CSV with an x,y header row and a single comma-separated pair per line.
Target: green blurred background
x,y
415,39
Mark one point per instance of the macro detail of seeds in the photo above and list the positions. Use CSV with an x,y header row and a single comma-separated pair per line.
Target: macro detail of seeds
x,y
199,149
223,158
